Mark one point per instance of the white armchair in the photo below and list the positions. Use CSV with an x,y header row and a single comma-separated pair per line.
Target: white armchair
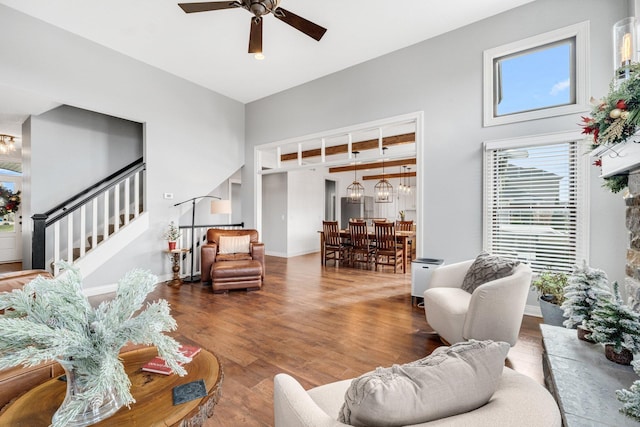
x,y
518,401
492,312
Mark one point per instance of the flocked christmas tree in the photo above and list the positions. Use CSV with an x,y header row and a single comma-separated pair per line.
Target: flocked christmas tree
x,y
614,323
584,287
631,397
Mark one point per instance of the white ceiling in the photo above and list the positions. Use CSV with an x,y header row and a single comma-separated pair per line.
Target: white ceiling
x,y
210,48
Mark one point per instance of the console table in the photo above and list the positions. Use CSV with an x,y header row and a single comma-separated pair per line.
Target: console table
x,y
153,394
582,380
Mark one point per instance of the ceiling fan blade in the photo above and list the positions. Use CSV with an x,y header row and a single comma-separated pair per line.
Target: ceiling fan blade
x,y
209,5
314,31
255,36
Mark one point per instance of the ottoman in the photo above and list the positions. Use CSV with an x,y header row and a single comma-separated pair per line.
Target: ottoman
x,y
236,275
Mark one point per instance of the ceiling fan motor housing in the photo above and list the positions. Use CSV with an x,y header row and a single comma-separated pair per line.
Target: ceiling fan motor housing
x,y
262,7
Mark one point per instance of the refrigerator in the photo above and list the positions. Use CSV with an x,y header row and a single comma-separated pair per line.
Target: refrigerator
x,y
355,210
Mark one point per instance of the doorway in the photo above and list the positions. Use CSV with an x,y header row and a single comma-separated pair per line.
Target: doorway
x,y
11,222
330,213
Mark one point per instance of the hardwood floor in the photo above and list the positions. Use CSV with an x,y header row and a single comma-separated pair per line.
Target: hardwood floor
x,y
319,324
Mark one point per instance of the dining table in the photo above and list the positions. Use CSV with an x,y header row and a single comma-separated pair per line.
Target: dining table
x,y
404,237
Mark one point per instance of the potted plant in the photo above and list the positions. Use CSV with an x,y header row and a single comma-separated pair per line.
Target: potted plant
x,y
616,326
550,286
52,319
631,397
585,286
172,234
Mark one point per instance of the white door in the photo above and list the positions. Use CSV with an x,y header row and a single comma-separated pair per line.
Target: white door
x,y
10,223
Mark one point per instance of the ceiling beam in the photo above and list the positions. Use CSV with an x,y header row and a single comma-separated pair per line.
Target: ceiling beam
x,y
375,165
370,144
389,175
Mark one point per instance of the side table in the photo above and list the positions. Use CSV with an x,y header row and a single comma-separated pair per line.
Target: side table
x,y
582,380
153,394
175,255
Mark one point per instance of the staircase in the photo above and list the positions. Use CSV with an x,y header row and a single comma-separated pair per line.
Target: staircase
x,y
93,225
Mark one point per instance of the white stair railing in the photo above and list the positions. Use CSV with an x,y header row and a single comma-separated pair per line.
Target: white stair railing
x,y
89,219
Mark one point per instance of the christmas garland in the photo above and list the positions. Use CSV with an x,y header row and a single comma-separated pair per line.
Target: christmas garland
x,y
9,201
614,119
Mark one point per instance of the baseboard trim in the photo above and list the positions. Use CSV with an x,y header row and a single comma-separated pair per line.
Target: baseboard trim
x,y
532,310
107,289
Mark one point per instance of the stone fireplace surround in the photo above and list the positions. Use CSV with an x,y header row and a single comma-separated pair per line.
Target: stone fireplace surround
x,y
632,269
619,159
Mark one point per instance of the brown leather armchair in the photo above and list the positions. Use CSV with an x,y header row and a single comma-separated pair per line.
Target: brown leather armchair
x,y
227,269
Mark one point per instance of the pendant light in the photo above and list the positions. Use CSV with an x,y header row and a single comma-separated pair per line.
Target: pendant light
x,y
408,186
355,192
383,189
401,184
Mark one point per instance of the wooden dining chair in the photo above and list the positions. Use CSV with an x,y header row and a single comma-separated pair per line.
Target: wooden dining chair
x,y
362,250
387,251
407,226
334,248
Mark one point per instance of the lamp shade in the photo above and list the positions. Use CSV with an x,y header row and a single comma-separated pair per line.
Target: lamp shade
x,y
221,206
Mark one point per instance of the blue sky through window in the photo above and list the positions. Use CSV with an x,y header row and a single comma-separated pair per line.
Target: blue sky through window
x,y
537,79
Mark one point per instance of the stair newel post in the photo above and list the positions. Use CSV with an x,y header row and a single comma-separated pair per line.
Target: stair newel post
x,y
38,243
193,237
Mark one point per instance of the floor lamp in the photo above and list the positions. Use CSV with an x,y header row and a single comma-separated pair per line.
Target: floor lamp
x,y
218,206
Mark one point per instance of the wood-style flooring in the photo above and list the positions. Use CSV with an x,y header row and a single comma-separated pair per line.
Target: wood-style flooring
x,y
319,324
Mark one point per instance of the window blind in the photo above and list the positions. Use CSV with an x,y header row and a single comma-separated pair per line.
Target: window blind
x,y
534,204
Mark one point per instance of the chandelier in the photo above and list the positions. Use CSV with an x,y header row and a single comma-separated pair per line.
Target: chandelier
x,y
7,143
383,189
355,191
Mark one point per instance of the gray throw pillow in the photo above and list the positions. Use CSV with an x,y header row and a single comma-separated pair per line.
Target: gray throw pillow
x,y
486,268
452,380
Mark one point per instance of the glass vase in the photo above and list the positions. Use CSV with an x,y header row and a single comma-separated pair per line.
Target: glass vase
x,y
88,413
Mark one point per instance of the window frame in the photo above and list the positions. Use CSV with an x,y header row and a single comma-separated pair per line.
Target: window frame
x,y
578,31
582,186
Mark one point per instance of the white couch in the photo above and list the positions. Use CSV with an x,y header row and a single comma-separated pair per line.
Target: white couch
x,y
493,312
518,402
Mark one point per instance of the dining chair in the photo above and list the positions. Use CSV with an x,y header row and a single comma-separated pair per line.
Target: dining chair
x,y
362,250
387,247
334,247
407,226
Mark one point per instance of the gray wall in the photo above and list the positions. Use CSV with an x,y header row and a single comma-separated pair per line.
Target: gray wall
x,y
100,145
193,137
274,214
443,78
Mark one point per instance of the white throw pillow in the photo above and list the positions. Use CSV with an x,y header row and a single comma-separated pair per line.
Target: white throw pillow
x,y
234,244
452,380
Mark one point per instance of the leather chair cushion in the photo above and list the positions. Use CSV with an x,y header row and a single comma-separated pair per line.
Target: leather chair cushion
x,y
234,244
233,257
236,270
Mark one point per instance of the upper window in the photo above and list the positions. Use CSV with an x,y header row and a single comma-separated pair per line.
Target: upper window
x,y
538,77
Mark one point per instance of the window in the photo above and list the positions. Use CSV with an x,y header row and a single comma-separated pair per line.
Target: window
x,y
538,77
535,200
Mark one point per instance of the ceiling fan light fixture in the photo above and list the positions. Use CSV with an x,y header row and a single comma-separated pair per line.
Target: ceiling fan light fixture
x,y
260,8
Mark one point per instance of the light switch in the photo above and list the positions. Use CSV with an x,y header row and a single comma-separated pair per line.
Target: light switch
x,y
168,196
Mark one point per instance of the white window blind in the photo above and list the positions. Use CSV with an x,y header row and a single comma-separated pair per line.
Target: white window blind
x,y
535,203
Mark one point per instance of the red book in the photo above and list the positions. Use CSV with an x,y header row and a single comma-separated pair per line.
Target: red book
x,y
158,365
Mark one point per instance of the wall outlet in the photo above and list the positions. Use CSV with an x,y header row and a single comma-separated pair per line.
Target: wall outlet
x,y
168,196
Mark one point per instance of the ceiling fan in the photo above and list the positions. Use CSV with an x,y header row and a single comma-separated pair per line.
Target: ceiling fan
x,y
259,8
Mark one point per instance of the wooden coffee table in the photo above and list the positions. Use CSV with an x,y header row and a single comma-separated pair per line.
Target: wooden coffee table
x,y
152,392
